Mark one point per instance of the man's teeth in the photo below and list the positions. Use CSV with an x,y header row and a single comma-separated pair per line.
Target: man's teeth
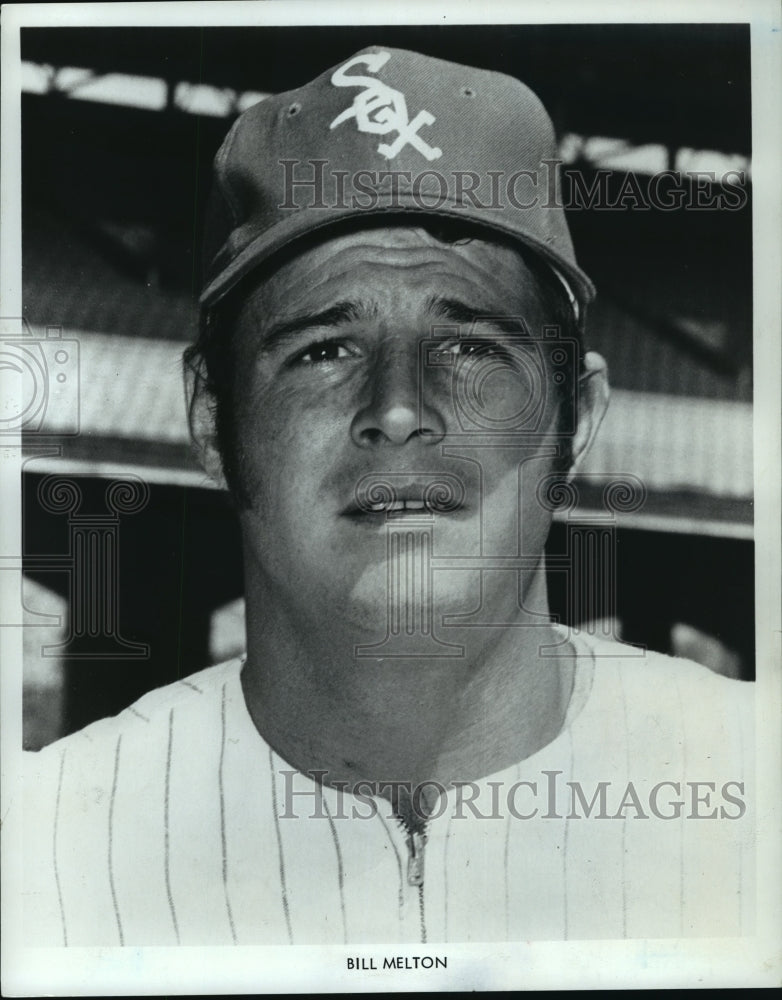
x,y
400,505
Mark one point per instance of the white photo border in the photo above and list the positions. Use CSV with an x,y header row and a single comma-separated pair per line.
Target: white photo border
x,y
548,965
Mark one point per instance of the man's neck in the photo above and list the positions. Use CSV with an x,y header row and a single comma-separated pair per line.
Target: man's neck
x,y
402,719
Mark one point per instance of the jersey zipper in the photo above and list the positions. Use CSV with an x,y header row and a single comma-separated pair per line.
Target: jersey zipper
x,y
415,858
416,842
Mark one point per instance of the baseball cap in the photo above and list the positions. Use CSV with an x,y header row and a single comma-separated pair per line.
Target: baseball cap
x,y
388,132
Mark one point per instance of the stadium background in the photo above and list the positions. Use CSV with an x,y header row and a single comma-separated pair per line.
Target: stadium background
x,y
119,127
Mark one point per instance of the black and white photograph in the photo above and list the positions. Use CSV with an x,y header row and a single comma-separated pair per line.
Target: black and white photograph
x,y
391,477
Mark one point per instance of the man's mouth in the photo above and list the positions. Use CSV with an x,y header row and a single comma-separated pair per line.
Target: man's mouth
x,y
394,495
395,506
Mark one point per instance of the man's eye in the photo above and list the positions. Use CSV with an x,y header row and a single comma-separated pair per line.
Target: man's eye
x,y
479,350
323,353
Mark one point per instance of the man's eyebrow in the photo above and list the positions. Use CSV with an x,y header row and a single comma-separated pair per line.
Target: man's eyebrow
x,y
457,311
341,312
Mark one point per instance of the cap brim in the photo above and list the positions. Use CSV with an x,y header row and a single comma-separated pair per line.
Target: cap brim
x,y
303,222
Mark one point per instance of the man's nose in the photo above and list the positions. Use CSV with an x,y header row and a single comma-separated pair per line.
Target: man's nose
x,y
397,411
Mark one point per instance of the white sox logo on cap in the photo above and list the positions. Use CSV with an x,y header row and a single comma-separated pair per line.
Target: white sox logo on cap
x,y
381,109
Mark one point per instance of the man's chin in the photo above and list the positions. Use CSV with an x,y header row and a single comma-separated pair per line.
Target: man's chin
x,y
408,598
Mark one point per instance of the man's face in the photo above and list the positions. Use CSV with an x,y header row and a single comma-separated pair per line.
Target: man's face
x,y
336,386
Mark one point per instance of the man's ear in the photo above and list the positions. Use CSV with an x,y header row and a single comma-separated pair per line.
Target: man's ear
x,y
592,404
201,420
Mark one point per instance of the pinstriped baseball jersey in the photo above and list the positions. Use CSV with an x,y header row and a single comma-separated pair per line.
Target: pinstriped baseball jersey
x,y
175,823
